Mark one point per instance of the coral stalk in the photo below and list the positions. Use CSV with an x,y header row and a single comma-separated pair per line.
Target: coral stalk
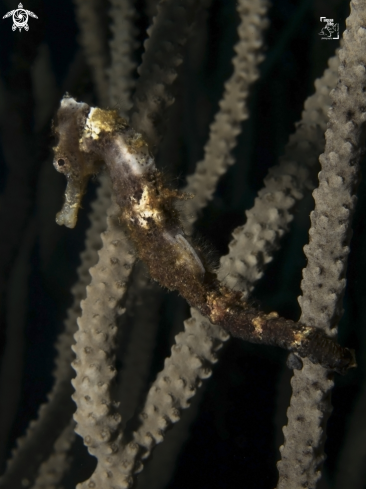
x,y
324,277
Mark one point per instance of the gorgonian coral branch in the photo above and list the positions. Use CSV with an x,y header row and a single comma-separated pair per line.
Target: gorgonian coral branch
x,y
233,108
324,279
163,54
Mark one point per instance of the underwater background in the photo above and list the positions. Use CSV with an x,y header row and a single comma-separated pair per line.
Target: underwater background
x,y
235,435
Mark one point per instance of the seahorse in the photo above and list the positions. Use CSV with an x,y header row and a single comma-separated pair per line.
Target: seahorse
x,y
89,139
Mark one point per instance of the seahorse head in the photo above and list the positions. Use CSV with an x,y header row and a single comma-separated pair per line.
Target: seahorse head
x,y
70,160
88,137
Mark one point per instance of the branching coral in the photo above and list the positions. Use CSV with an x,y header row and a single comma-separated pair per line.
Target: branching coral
x,y
143,206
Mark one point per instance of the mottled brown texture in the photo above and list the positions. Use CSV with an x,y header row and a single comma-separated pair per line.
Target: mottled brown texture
x,y
76,165
154,226
203,291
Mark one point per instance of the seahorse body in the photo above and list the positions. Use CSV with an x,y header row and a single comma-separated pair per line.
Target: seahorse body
x,y
90,136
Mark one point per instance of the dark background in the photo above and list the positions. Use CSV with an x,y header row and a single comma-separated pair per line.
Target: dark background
x,y
235,437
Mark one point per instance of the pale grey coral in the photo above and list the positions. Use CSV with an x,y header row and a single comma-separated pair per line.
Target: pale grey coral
x,y
251,250
324,281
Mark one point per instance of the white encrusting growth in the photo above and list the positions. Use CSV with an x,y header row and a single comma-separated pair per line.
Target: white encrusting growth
x,y
144,209
138,161
189,250
128,145
187,253
68,102
92,128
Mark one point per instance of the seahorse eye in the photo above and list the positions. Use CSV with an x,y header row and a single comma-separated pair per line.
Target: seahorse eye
x,y
61,162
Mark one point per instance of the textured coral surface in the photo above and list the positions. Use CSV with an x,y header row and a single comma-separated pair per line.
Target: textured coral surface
x,y
233,429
